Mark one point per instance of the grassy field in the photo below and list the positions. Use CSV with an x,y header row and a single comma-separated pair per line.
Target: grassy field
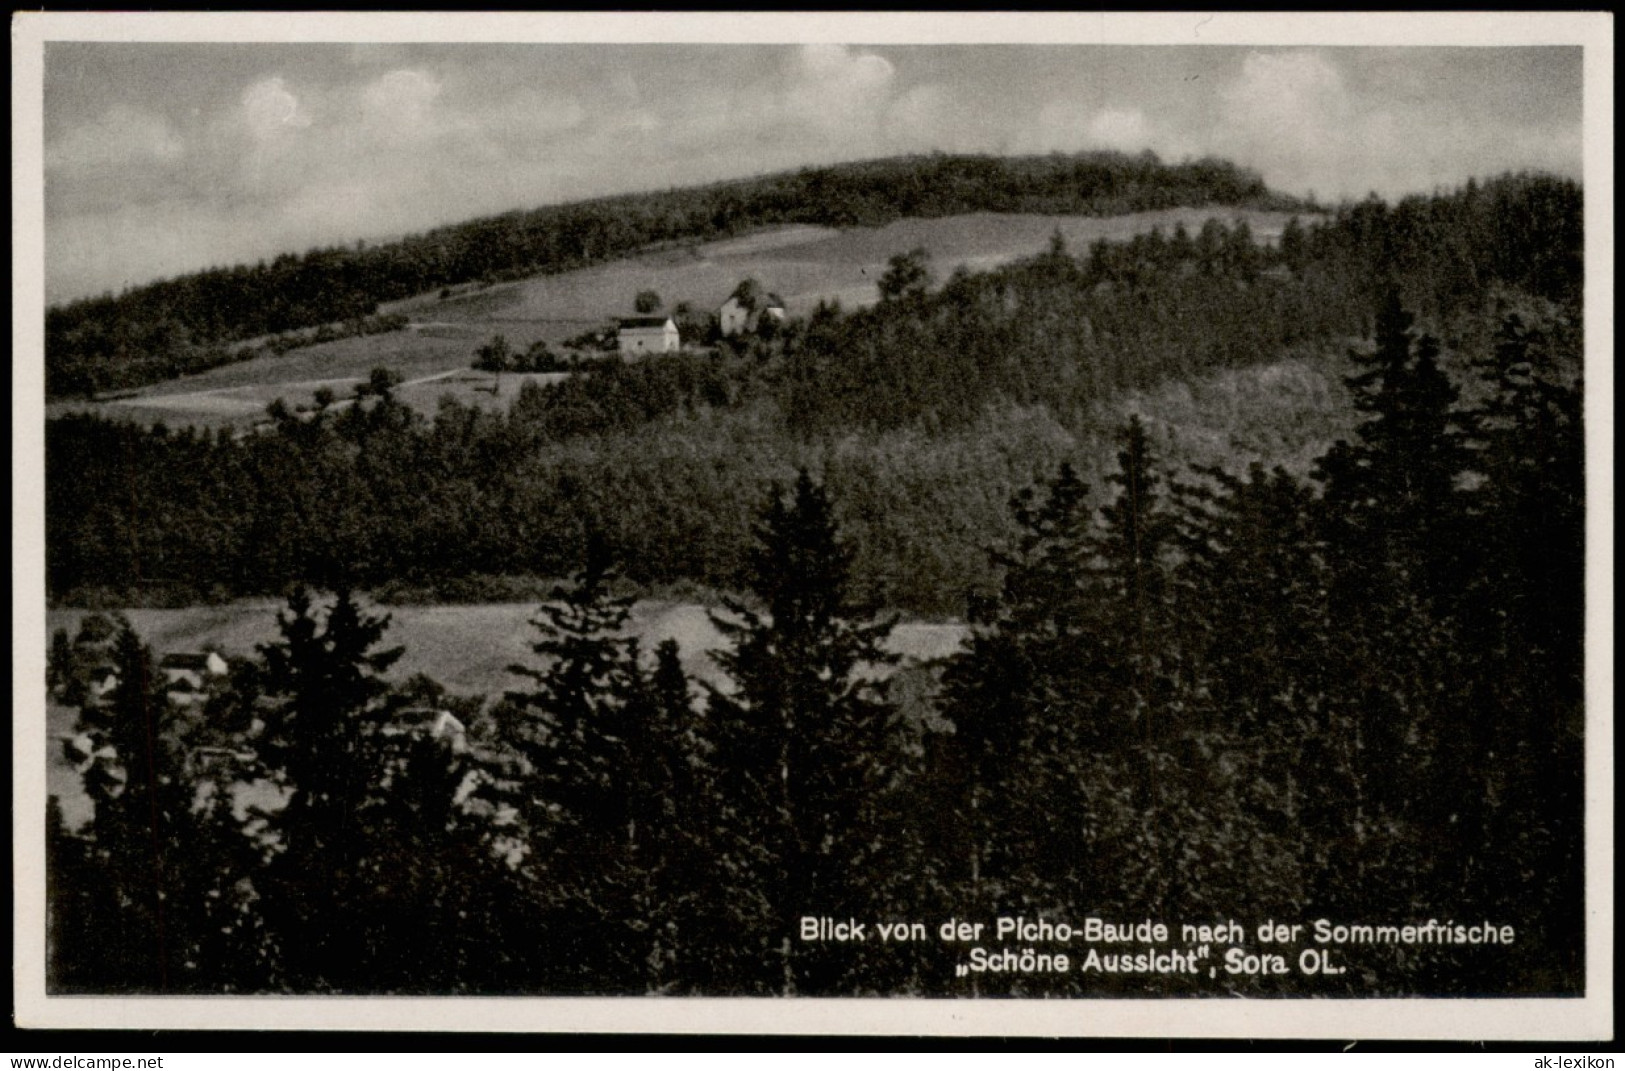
x,y
1286,412
804,264
466,648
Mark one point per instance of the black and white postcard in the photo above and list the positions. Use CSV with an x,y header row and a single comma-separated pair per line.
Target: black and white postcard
x,y
1046,524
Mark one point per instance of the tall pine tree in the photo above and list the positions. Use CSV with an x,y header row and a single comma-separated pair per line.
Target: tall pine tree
x,y
1019,697
1395,526
326,705
806,744
574,730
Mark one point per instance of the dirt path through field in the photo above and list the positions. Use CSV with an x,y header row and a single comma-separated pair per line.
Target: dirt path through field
x,y
247,400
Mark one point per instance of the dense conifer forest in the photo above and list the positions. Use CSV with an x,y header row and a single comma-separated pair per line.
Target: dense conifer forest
x,y
1190,693
923,414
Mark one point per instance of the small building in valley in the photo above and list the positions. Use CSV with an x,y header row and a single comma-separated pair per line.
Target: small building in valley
x,y
187,673
637,336
431,724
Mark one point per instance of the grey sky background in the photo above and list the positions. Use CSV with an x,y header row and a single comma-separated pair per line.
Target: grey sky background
x,y
165,158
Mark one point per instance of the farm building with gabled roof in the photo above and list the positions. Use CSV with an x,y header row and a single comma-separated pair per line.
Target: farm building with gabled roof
x,y
745,309
640,335
186,673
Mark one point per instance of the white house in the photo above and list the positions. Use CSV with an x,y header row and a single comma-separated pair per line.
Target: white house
x,y
433,724
640,335
744,312
187,672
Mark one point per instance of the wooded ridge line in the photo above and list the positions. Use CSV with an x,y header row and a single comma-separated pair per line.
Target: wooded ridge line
x,y
158,330
923,413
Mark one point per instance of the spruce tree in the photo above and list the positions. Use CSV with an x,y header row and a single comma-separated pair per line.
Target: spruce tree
x,y
1017,693
574,730
805,743
1141,719
1130,584
574,724
1522,621
435,906
1250,616
1529,514
326,704
152,892
70,889
671,902
1393,511
1395,526
135,779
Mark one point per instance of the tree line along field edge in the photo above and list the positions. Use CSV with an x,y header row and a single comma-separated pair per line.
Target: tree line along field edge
x,y
1184,698
171,327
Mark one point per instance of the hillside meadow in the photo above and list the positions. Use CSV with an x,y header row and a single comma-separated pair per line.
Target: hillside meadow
x,y
804,264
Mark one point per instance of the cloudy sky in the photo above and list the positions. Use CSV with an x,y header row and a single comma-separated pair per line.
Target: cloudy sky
x,y
162,158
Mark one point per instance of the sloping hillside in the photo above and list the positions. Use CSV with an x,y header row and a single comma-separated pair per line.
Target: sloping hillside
x,y
924,413
804,264
163,329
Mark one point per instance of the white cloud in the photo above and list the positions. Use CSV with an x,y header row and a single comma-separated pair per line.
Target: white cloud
x,y
1304,123
270,110
402,100
1300,120
526,118
1069,124
839,68
1292,116
122,135
923,117
136,244
1059,126
1295,97
1296,118
832,89
820,102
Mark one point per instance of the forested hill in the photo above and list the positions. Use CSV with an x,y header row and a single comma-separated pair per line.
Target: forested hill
x,y
168,328
923,413
1194,688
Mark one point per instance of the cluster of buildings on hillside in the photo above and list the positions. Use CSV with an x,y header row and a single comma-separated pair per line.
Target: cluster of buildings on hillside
x,y
743,313
188,677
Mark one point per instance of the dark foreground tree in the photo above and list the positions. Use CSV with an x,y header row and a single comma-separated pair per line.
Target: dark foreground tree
x,y
612,798
672,893
573,729
325,709
1027,653
806,747
1396,533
